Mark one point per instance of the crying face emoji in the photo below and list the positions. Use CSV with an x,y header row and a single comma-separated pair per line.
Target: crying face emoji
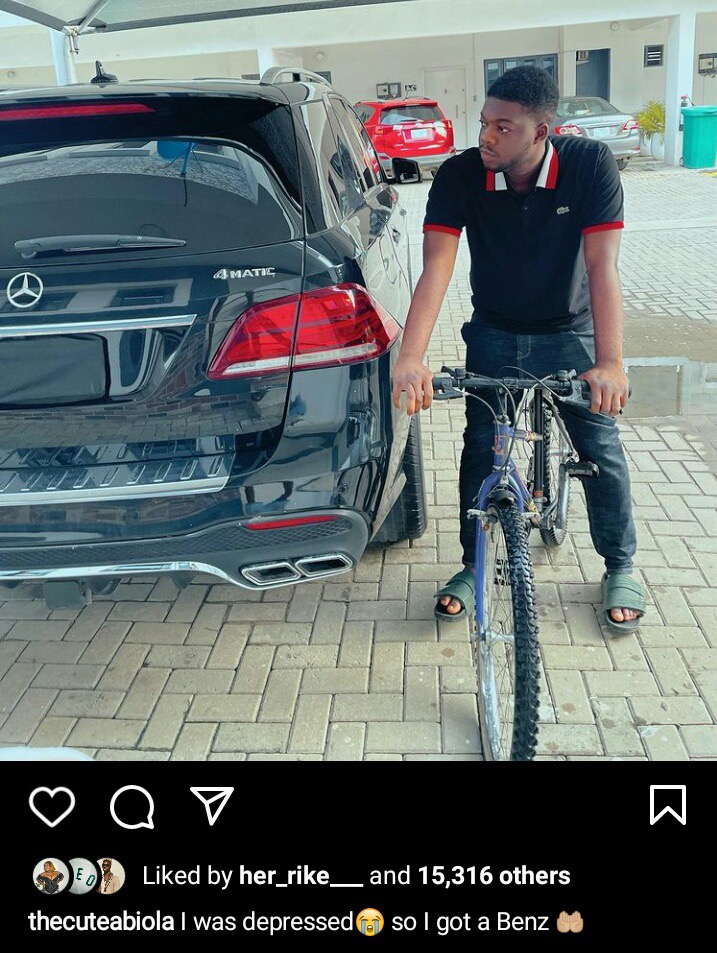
x,y
369,922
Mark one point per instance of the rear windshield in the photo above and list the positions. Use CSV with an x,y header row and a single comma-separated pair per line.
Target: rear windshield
x,y
585,107
397,114
363,112
215,173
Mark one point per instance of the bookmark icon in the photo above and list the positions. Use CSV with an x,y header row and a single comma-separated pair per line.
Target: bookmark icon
x,y
214,801
662,803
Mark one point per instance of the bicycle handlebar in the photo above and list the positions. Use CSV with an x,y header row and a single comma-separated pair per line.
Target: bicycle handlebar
x,y
452,382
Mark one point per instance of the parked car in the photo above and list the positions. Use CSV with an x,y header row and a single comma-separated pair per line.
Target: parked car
x,y
413,129
596,118
202,293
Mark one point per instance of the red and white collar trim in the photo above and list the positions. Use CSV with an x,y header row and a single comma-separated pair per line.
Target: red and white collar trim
x,y
547,179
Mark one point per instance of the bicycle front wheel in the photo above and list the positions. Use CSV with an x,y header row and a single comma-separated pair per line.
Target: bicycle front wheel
x,y
505,641
556,487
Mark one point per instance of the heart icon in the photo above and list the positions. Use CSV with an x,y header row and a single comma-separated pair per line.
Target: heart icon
x,y
52,794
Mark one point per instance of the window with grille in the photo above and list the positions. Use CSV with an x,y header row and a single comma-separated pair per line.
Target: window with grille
x,y
495,68
654,55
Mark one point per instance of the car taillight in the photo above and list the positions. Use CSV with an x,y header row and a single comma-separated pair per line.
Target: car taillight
x,y
568,130
380,130
259,342
631,125
64,112
341,325
337,325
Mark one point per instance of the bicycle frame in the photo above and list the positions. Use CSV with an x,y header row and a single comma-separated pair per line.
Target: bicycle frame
x,y
505,479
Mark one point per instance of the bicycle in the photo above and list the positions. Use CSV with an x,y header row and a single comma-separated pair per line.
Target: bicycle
x,y
504,629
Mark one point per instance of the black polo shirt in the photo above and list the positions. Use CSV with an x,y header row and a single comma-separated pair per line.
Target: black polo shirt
x,y
528,271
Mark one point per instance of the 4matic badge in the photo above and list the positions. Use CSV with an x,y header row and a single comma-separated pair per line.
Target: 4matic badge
x,y
225,273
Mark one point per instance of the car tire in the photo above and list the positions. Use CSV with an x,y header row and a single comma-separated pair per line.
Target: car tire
x,y
408,517
622,164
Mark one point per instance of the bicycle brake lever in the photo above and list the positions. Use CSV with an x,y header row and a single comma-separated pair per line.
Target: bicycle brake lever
x,y
443,388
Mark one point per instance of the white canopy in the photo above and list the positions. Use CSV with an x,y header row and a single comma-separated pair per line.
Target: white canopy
x,y
93,16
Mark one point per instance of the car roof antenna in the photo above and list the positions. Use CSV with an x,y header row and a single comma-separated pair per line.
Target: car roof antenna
x,y
101,78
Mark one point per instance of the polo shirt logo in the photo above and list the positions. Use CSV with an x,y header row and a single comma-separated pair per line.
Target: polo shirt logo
x,y
563,209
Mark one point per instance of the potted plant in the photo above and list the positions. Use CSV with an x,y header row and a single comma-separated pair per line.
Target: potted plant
x,y
651,119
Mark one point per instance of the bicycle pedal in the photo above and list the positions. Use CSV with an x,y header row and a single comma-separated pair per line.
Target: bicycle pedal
x,y
582,468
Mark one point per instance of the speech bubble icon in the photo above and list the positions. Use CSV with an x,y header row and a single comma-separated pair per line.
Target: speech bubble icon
x,y
148,822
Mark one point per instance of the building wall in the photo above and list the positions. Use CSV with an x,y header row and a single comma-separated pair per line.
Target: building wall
x,y
164,67
176,67
356,67
705,87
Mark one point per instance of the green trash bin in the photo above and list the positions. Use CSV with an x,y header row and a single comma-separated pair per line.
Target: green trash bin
x,y
699,144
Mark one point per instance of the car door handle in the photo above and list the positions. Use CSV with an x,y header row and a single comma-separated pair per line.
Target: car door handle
x,y
396,234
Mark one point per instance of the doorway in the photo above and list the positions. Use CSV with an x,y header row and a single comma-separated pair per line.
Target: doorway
x,y
592,76
448,87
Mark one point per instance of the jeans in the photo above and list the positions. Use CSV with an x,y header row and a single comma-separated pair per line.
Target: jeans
x,y
596,438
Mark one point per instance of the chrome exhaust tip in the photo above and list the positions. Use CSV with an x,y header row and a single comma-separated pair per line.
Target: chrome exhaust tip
x,y
271,574
328,564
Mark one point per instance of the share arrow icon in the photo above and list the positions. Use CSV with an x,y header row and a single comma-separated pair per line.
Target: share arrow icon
x,y
214,800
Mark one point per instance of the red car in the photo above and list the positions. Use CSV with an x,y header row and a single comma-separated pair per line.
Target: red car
x,y
413,129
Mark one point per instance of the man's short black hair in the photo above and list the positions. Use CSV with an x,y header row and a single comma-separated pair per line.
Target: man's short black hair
x,y
530,87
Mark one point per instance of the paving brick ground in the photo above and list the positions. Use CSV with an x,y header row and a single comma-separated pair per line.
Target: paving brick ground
x,y
357,668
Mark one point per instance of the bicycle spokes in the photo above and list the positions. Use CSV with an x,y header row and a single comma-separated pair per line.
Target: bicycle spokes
x,y
501,572
496,644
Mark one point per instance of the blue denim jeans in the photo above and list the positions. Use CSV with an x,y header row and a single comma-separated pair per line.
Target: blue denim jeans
x,y
596,438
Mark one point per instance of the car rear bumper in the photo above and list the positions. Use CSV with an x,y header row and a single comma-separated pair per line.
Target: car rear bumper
x,y
334,460
620,148
425,163
234,552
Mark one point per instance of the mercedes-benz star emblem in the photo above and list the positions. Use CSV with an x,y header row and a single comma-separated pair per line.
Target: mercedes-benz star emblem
x,y
24,290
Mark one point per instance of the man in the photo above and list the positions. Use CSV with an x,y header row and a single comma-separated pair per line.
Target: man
x,y
110,883
543,218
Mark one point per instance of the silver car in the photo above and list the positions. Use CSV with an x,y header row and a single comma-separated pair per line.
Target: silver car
x,y
596,118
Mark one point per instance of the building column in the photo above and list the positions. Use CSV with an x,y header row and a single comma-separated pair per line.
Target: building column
x,y
62,58
566,67
678,79
265,58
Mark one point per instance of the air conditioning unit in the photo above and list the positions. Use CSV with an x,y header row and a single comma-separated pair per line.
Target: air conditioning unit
x,y
582,56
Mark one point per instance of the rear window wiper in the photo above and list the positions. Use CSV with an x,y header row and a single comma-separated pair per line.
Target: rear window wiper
x,y
30,247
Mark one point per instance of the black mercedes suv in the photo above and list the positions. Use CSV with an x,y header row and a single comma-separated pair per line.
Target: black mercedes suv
x,y
202,291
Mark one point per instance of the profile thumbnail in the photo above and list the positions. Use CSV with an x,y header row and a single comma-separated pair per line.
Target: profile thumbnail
x,y
51,876
112,877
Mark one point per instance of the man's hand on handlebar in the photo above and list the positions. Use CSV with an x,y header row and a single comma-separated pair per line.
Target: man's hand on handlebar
x,y
608,387
411,376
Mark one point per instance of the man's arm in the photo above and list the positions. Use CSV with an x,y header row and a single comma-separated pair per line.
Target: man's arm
x,y
410,374
608,383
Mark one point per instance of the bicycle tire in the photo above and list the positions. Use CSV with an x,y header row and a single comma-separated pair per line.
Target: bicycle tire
x,y
553,448
509,731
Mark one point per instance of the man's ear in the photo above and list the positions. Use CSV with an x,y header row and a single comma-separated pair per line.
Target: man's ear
x,y
541,132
